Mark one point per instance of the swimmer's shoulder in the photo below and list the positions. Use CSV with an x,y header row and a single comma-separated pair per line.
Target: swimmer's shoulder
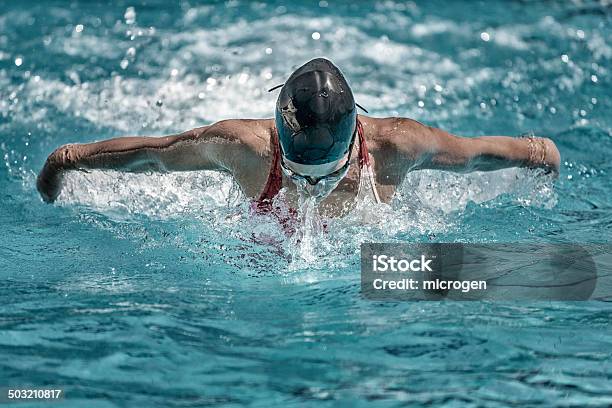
x,y
253,134
391,133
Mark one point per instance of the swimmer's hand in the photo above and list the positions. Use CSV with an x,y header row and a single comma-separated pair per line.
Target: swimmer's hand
x,y
49,181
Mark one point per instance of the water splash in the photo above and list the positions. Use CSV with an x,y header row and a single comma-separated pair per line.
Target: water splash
x,y
427,203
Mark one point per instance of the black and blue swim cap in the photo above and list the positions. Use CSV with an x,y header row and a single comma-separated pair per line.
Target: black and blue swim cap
x,y
315,114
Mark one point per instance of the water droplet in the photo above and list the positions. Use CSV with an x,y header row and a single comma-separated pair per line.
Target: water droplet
x,y
268,50
565,58
594,78
174,72
316,35
594,101
78,28
201,95
130,15
580,34
124,64
18,61
421,104
484,36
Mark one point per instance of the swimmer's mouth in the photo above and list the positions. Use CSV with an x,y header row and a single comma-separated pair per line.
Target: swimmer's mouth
x,y
317,187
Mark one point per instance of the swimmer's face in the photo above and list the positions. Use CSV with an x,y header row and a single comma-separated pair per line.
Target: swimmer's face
x,y
318,180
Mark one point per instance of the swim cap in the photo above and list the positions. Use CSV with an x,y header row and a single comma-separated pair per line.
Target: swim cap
x,y
315,114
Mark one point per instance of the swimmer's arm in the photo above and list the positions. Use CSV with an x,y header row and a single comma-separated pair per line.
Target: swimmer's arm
x,y
432,148
198,149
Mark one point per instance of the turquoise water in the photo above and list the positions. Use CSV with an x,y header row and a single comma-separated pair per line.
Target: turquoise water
x,y
148,290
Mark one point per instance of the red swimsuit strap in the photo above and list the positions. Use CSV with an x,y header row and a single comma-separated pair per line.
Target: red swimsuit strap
x,y
275,177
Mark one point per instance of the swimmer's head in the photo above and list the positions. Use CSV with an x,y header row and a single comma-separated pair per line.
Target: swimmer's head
x,y
316,120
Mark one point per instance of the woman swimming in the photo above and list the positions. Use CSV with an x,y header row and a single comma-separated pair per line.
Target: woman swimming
x,y
316,142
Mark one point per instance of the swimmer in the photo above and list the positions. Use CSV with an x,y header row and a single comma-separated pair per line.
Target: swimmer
x,y
316,144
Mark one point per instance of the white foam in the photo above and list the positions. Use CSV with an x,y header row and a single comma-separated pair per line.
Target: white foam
x,y
155,195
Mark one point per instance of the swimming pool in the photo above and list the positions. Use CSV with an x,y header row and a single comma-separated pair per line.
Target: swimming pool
x,y
146,290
